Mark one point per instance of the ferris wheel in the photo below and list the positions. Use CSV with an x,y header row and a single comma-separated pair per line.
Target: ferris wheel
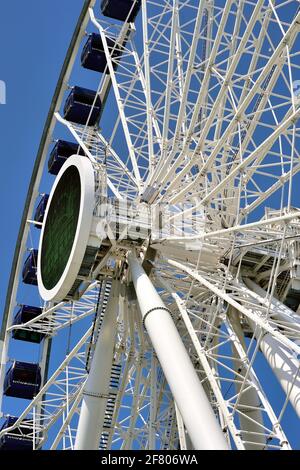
x,y
155,287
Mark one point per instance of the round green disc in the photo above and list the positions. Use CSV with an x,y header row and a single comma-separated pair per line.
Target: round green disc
x,y
60,228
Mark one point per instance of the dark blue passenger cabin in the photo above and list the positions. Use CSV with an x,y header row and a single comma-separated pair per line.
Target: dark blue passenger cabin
x,y
22,380
17,439
40,210
29,275
93,55
120,9
79,106
23,315
60,153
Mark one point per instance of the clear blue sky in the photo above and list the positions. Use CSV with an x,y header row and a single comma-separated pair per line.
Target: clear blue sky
x,y
35,36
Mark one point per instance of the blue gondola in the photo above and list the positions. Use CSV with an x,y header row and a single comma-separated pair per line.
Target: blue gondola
x,y
120,9
82,106
29,270
40,210
23,315
93,55
17,439
59,154
22,380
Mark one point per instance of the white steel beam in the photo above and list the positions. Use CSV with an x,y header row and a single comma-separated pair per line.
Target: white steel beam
x,y
201,97
252,405
116,157
258,154
181,376
283,363
189,73
246,229
251,314
148,85
118,100
68,419
96,389
153,403
268,192
55,381
249,398
277,308
289,36
169,81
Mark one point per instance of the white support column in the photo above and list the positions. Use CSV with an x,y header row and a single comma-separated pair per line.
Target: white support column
x,y
96,389
251,420
281,359
284,365
195,409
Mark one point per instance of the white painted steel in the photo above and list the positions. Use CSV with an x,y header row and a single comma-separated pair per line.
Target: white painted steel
x,y
202,117
278,309
252,418
96,389
184,383
285,366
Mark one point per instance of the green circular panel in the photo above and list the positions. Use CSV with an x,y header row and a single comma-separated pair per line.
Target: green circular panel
x,y
60,228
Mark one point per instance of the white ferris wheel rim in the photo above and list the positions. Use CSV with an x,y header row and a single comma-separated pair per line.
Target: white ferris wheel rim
x,y
175,194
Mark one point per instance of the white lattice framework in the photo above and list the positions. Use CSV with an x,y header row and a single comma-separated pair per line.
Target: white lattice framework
x,y
201,117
